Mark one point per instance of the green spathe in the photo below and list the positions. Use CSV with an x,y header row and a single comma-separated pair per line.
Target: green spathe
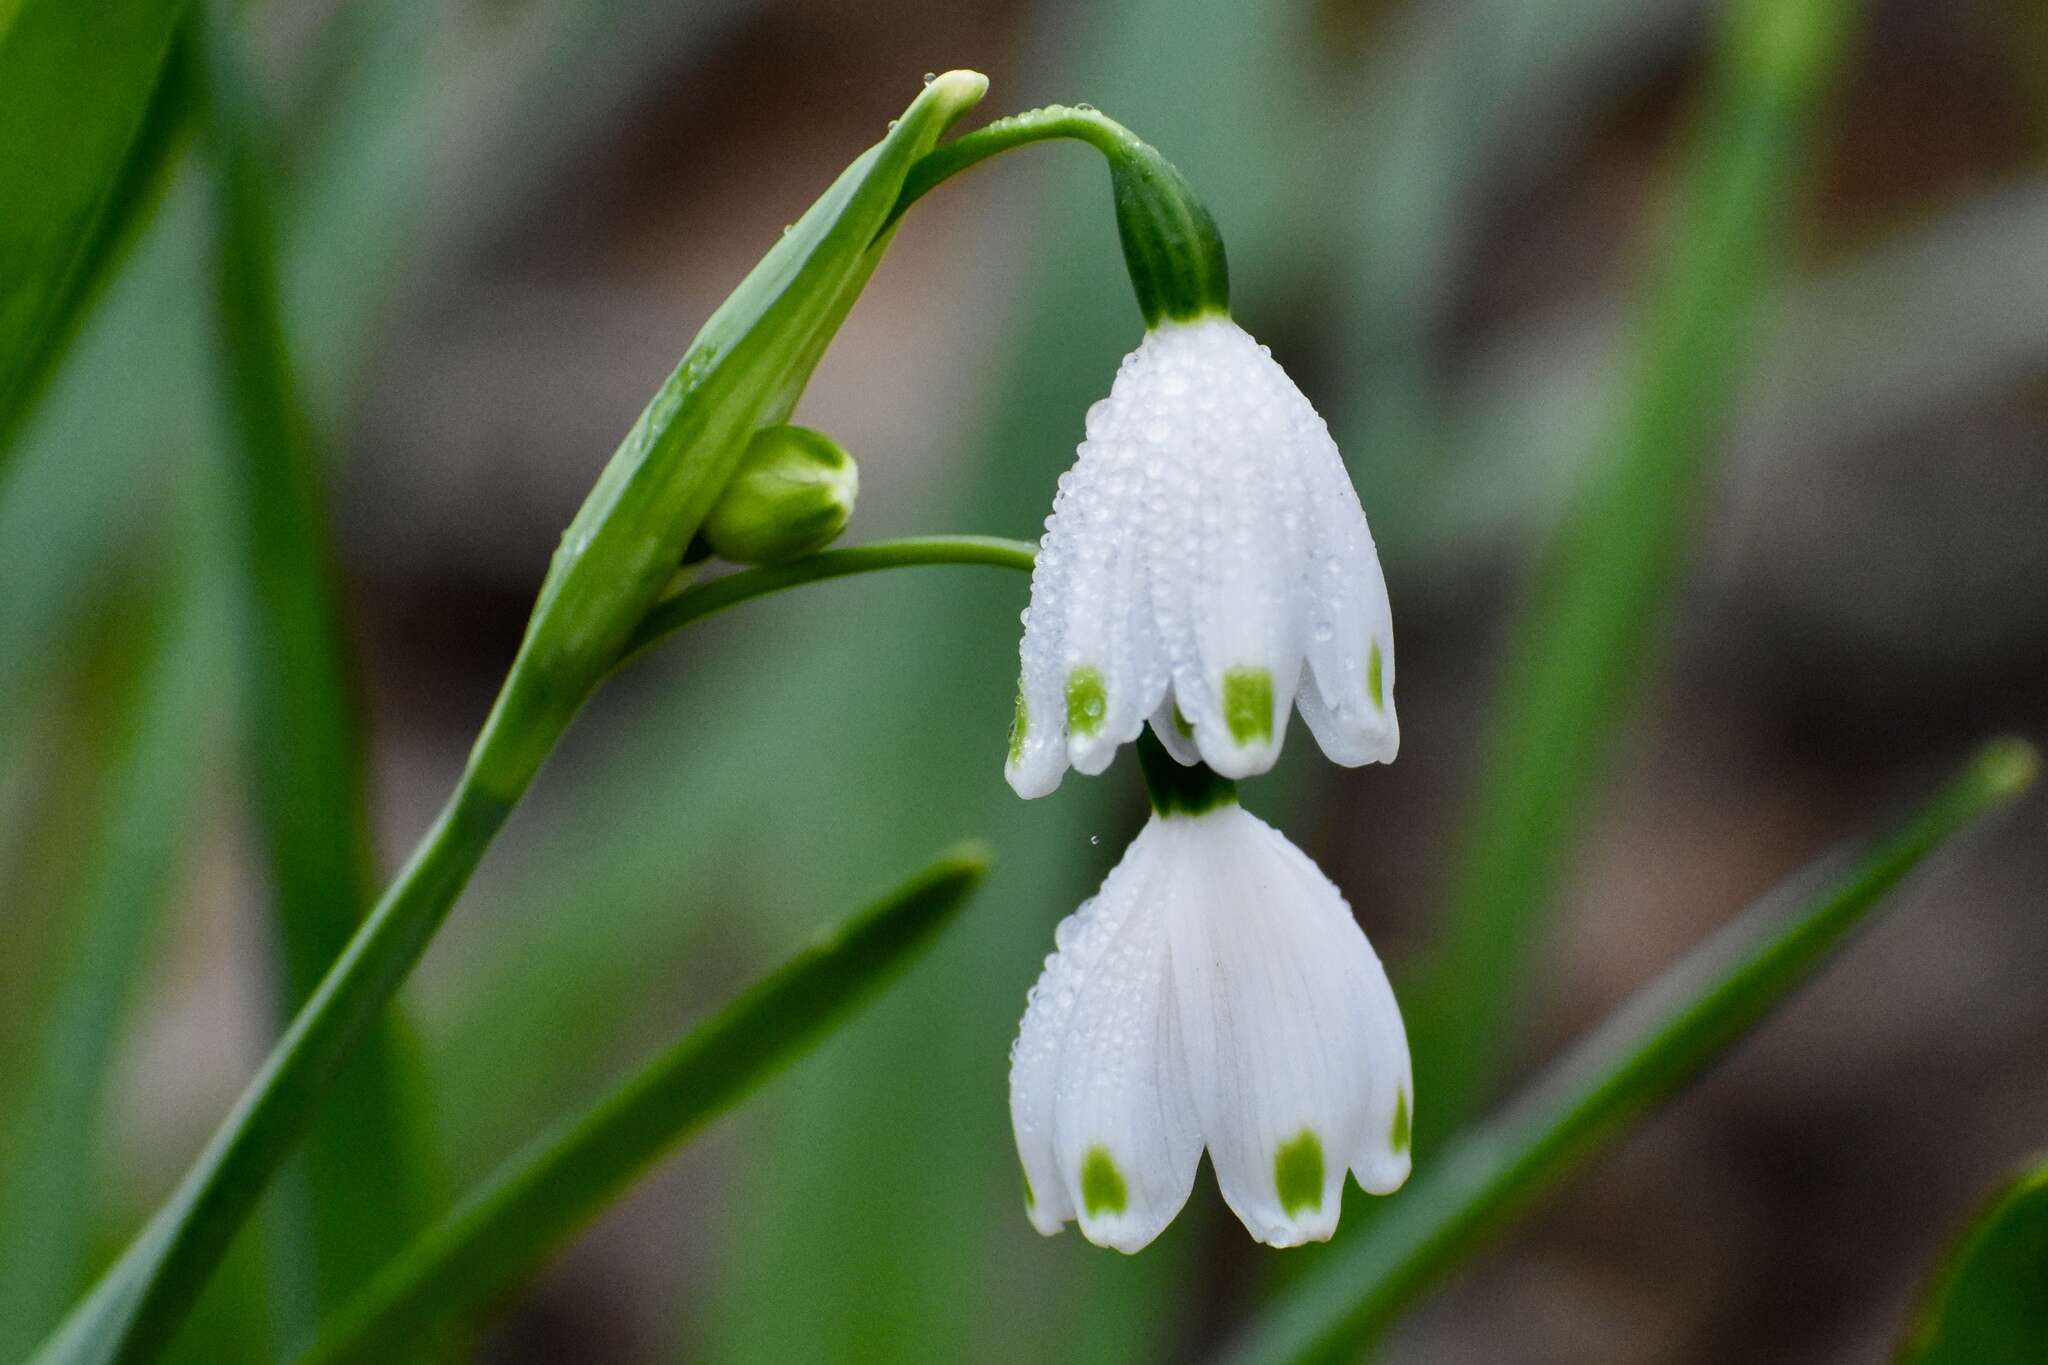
x,y
791,496
1180,789
1298,1173
744,372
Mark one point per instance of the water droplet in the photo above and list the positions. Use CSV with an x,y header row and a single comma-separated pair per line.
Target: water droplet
x,y
1095,838
930,76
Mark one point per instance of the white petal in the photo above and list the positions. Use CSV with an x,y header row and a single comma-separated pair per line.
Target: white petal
x,y
1098,1080
1347,694
1207,537
1294,1046
1176,732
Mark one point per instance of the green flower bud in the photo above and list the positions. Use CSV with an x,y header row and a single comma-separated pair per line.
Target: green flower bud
x,y
793,494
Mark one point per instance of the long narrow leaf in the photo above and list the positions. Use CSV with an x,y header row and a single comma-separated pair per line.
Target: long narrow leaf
x,y
301,732
541,1197
1584,639
46,1197
1990,1303
88,120
1640,1055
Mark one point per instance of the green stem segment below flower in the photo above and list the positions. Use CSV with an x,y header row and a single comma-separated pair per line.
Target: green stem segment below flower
x,y
1177,788
1171,246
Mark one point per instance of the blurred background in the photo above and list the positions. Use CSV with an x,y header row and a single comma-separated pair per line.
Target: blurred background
x,y
502,221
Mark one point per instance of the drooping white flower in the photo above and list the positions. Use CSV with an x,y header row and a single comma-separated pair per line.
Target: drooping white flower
x,y
1206,565
1215,993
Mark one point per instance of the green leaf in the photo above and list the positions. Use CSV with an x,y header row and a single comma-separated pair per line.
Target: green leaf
x,y
748,365
300,729
88,123
745,370
1640,1055
161,730
1989,1304
1585,638
500,1233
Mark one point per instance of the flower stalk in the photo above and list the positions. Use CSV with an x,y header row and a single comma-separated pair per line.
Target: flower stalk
x,y
1171,246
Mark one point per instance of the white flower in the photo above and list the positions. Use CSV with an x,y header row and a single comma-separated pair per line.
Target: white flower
x,y
1215,993
1205,565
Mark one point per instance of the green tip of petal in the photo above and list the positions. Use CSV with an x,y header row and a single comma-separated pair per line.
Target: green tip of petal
x,y
1374,687
1298,1173
1248,704
1398,1135
1181,724
1030,1195
1020,726
1087,701
1102,1184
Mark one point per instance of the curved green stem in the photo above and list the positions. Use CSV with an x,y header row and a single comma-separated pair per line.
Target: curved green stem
x,y
694,604
1078,122
1171,245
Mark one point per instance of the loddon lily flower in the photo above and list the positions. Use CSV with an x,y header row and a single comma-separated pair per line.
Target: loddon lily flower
x,y
1216,993
1207,568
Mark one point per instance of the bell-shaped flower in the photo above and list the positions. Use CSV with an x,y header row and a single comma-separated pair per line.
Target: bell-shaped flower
x,y
1215,993
1206,567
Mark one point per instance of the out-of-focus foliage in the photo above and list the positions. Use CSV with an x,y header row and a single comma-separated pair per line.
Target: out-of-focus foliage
x,y
90,108
361,1169
1990,1302
446,166
516,1216
1645,1050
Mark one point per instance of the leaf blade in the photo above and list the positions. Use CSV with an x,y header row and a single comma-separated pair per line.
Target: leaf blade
x,y
1990,1301
501,1232
89,120
301,734
1635,1058
1579,647
164,722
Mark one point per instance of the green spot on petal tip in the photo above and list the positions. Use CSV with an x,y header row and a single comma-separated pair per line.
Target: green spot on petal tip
x,y
1298,1173
1030,1195
1087,701
1020,726
1102,1184
1181,724
1248,704
1374,686
1398,1135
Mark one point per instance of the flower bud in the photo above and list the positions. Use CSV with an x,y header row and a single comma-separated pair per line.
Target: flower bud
x,y
792,494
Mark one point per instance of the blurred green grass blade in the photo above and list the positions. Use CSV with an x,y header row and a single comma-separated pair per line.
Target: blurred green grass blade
x,y
1918,320
87,122
503,1231
1453,102
1989,1303
300,728
1583,640
48,1203
1639,1055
